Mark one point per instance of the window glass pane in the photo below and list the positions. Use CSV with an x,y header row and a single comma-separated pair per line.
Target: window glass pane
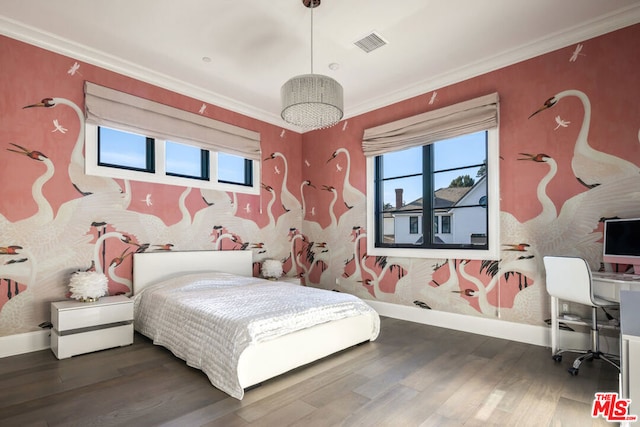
x,y
413,225
409,194
124,149
460,151
456,178
388,227
183,160
232,169
402,163
469,222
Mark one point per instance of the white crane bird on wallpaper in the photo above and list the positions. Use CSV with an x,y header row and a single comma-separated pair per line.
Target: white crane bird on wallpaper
x,y
45,234
549,211
398,267
251,233
525,307
85,184
356,259
45,212
338,238
187,233
350,194
19,310
591,167
97,263
572,231
126,283
313,230
289,201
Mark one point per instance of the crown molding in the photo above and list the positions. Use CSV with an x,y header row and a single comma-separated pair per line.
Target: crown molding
x,y
54,43
37,37
608,23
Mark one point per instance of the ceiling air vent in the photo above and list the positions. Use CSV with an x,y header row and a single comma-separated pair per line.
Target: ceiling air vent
x,y
371,42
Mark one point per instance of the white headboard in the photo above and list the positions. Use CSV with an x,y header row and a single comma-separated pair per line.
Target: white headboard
x,y
150,267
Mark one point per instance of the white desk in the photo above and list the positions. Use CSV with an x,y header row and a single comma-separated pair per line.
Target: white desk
x,y
630,349
608,285
611,286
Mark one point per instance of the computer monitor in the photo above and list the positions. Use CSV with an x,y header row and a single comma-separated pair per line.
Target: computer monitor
x,y
622,242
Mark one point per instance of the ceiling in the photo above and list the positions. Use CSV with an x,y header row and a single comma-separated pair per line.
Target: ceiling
x,y
237,54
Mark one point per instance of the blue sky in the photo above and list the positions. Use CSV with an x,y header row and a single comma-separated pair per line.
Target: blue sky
x,y
128,149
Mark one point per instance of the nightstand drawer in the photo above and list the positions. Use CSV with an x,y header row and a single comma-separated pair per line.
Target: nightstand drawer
x,y
64,346
70,315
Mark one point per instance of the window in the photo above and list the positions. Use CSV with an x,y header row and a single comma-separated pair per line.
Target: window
x,y
119,154
186,161
437,179
134,138
446,225
413,225
234,169
447,178
125,150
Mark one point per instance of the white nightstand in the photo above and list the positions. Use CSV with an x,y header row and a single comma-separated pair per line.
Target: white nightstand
x,y
83,327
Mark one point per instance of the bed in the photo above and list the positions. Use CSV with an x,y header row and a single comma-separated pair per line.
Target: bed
x,y
171,292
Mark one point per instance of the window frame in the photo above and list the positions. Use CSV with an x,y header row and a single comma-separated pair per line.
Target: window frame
x,y
159,175
493,219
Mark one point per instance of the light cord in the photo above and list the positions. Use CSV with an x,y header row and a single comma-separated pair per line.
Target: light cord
x,y
312,7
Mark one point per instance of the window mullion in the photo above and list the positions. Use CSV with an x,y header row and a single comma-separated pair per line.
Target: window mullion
x,y
379,201
213,165
248,171
151,159
427,196
160,157
204,164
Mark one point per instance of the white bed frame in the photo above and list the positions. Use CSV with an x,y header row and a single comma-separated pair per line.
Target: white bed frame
x,y
265,360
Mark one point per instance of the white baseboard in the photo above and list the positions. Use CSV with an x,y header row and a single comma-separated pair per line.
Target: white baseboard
x,y
520,332
27,342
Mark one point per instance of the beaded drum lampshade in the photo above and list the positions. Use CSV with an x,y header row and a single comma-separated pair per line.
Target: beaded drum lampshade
x,y
312,101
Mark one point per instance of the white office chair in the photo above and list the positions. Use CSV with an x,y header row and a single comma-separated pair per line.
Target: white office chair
x,y
569,279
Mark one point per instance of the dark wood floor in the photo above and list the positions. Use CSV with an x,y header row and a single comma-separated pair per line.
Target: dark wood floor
x,y
413,375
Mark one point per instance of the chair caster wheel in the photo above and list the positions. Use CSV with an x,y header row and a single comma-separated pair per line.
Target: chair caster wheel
x,y
557,358
573,371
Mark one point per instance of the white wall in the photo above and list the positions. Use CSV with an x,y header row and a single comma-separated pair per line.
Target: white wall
x,y
465,221
402,234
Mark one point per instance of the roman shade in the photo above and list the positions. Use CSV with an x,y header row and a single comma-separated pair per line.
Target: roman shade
x,y
112,108
426,128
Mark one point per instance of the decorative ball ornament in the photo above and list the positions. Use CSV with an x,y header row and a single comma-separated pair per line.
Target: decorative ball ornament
x,y
88,286
271,269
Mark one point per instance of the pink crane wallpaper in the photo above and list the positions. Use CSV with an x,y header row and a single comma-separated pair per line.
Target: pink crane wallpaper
x,y
569,156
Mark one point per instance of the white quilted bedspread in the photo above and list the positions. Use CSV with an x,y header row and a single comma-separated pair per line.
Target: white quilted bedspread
x,y
208,319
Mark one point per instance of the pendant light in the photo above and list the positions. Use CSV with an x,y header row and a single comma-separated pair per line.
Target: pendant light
x,y
312,101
